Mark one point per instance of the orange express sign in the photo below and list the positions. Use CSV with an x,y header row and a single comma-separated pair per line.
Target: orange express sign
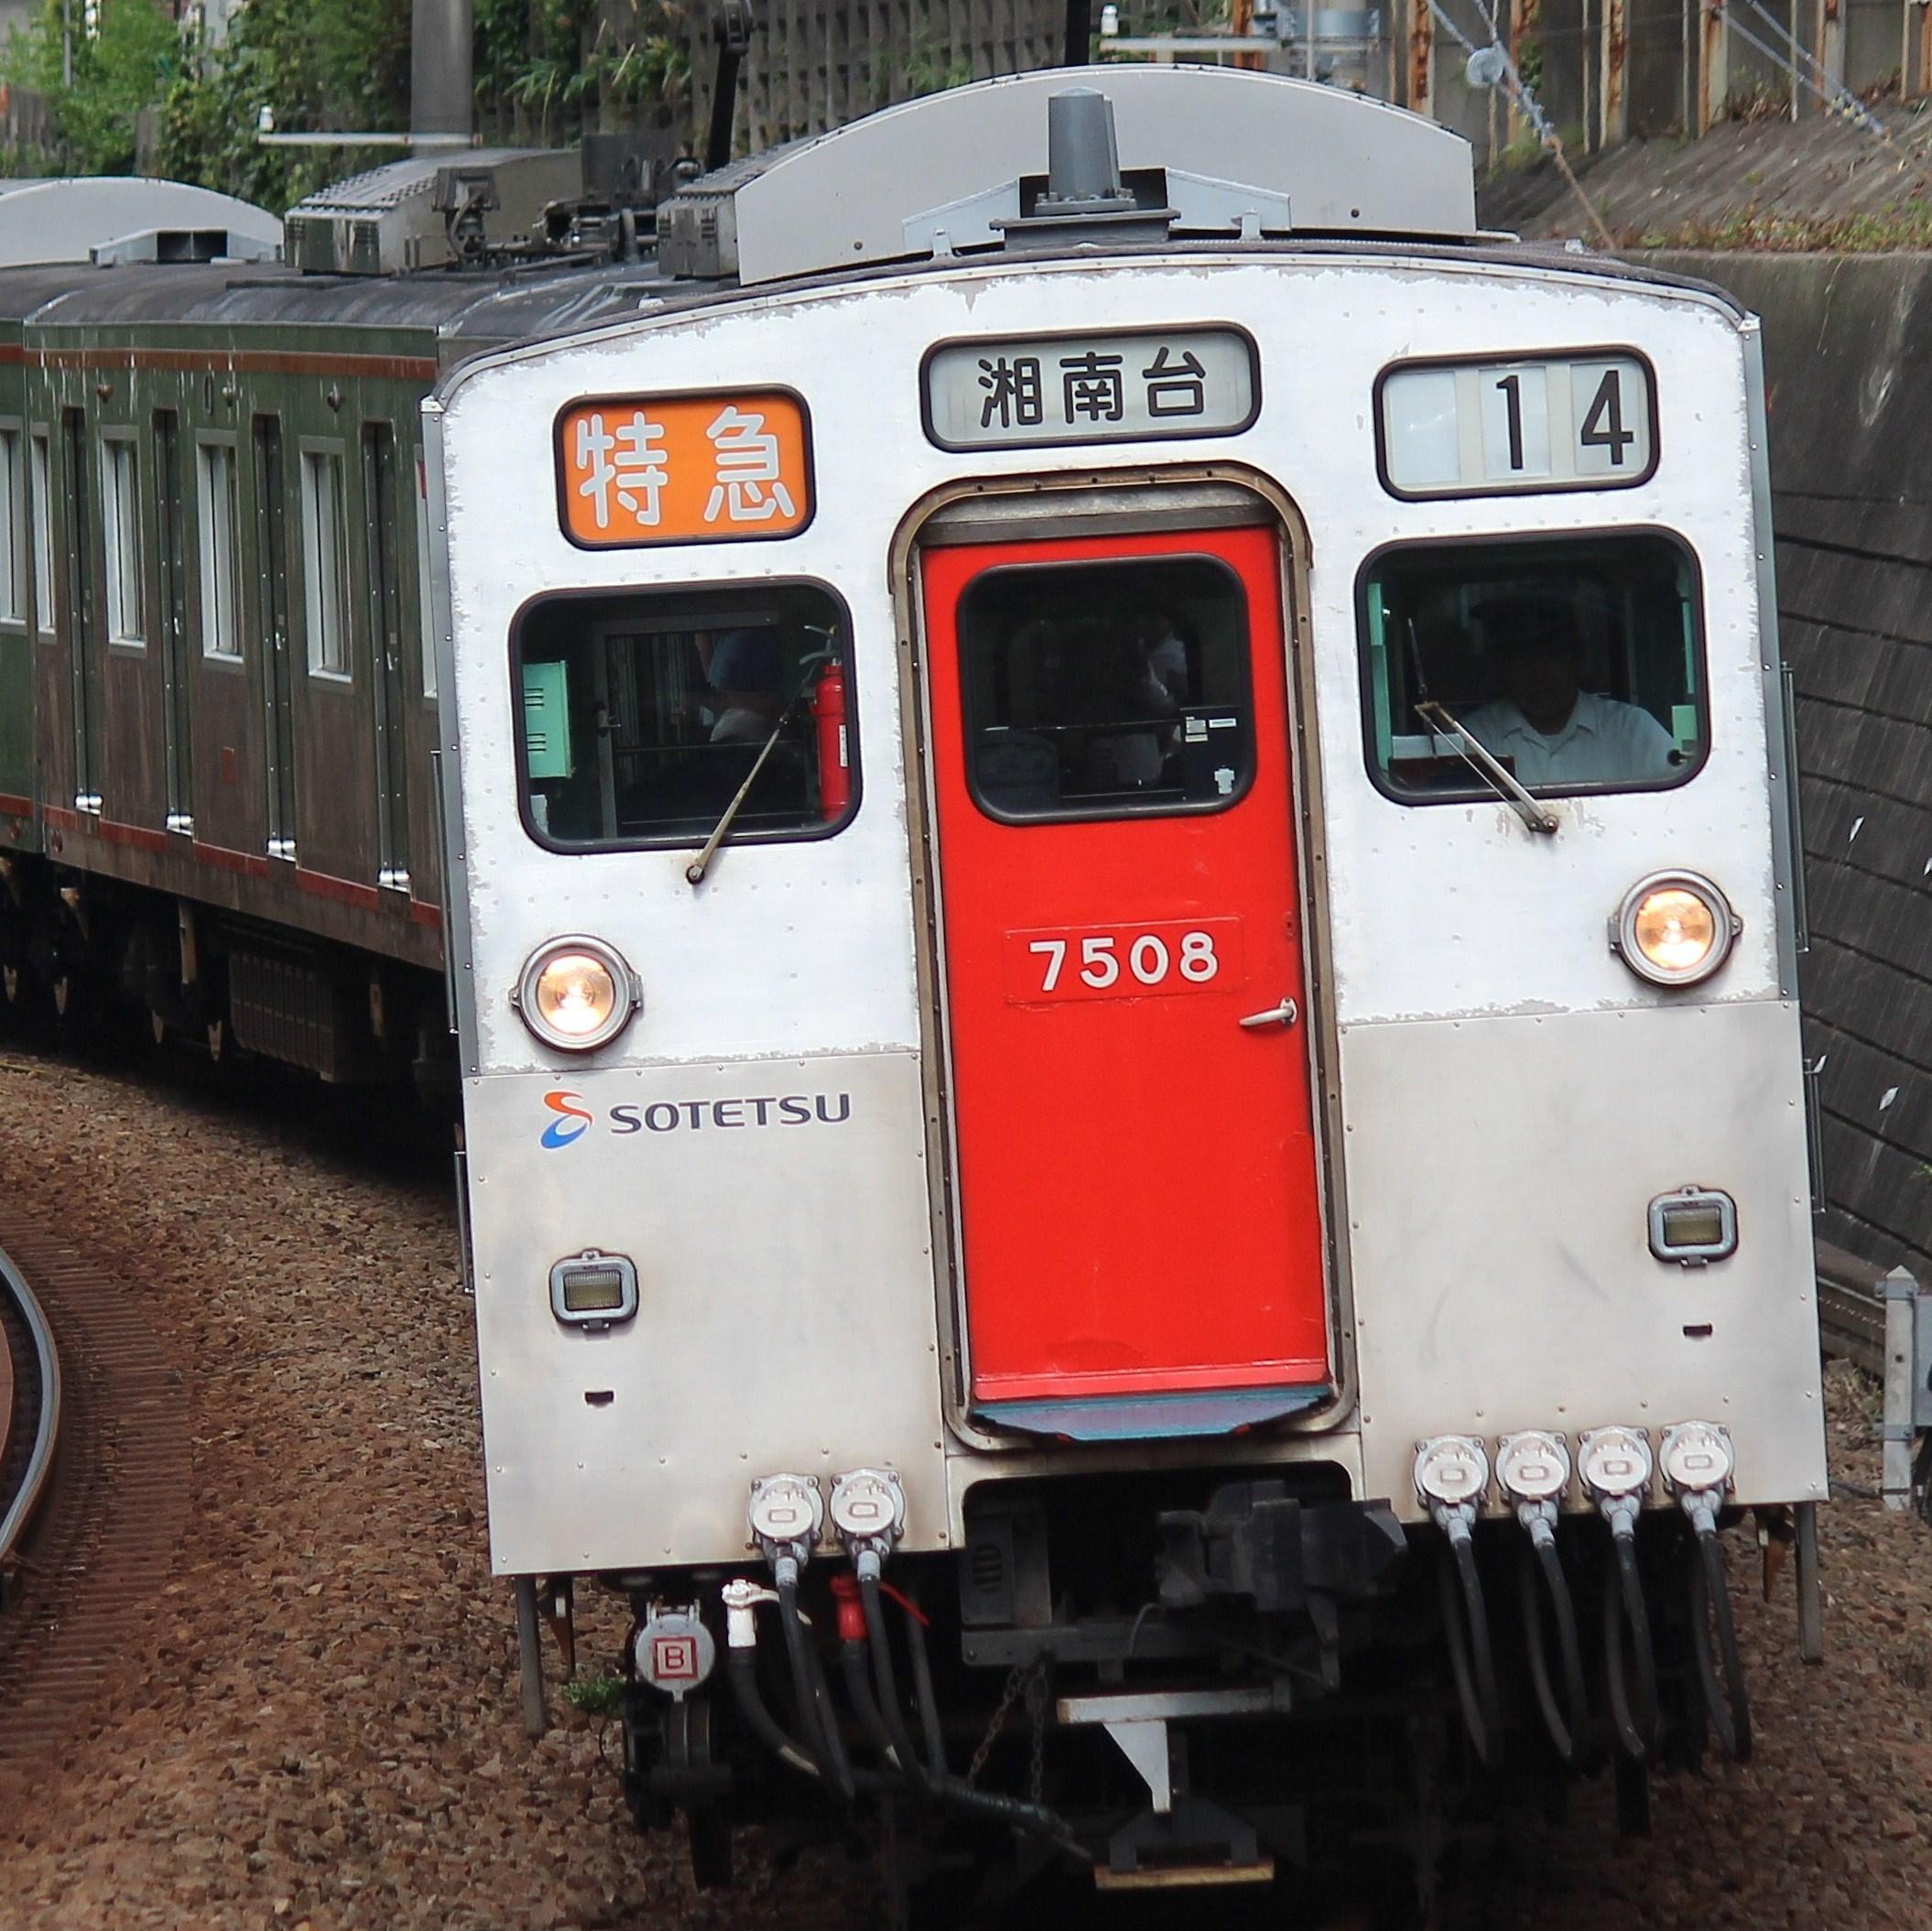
x,y
634,469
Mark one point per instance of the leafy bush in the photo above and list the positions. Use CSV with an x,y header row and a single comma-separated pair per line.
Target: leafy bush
x,y
128,64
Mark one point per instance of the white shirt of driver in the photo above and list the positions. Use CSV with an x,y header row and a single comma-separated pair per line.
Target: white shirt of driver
x,y
1604,743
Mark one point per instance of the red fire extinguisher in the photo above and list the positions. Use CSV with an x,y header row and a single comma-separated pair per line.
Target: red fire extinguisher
x,y
828,710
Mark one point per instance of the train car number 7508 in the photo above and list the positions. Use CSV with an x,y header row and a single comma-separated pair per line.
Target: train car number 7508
x,y
1135,961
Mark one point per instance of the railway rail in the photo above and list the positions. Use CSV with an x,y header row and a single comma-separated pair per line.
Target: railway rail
x,y
30,1410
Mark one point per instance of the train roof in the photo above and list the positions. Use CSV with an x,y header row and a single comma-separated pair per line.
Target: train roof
x,y
1119,160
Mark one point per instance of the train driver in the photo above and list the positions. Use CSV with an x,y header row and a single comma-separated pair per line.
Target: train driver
x,y
1546,726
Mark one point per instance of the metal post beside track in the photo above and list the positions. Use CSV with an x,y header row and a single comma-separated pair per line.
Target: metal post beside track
x,y
1907,1369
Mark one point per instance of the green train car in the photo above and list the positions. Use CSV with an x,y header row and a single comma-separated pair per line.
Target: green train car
x,y
218,716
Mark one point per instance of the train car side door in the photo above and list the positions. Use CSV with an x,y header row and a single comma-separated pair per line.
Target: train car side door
x,y
386,647
1139,1218
83,639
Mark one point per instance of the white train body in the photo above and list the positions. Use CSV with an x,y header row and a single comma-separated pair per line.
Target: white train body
x,y
1480,1098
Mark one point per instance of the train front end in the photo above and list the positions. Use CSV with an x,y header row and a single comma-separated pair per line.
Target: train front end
x,y
1124,939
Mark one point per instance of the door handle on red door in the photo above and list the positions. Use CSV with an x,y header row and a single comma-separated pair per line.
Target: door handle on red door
x,y
1285,1013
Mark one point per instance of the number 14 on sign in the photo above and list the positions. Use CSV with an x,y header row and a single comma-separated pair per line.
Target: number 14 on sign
x,y
1563,419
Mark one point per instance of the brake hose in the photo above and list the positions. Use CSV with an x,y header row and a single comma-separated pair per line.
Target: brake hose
x,y
922,1686
1727,1703
1465,1622
858,1685
1565,1725
1035,1820
1624,1608
809,1687
758,1719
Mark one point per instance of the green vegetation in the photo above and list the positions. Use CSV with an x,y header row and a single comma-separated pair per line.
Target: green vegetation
x,y
132,58
1905,225
598,1696
555,67
545,71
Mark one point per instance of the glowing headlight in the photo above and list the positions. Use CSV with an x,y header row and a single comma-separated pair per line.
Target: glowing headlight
x,y
1673,928
576,994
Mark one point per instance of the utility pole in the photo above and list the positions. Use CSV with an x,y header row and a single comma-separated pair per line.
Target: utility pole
x,y
442,67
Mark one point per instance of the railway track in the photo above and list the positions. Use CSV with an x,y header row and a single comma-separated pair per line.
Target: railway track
x,y
29,1412
94,1484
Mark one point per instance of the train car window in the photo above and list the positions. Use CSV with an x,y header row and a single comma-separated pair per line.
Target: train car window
x,y
39,506
1577,662
325,561
12,502
644,714
218,514
121,538
1108,688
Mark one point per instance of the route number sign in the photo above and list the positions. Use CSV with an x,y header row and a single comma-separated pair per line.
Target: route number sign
x,y
1470,429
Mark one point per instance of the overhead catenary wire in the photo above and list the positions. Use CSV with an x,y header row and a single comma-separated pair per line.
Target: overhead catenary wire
x,y
1532,111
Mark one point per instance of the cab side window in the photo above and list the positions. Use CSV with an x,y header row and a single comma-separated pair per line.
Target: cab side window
x,y
1577,662
644,714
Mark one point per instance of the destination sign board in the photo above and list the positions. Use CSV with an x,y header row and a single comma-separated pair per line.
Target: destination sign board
x,y
1134,386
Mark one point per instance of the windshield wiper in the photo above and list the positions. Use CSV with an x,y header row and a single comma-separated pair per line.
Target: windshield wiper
x,y
1537,816
697,867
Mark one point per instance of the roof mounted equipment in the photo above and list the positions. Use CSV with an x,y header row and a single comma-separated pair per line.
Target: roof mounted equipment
x,y
430,211
1231,153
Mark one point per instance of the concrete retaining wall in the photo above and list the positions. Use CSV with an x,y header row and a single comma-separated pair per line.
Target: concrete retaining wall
x,y
1848,362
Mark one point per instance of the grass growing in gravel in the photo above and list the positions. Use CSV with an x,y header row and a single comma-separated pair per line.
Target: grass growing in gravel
x,y
598,1696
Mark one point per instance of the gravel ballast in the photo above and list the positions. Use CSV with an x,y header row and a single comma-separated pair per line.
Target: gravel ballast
x,y
320,1726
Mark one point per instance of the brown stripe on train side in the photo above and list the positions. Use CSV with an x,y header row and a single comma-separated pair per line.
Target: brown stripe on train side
x,y
425,915
138,836
16,807
412,368
345,891
60,818
255,865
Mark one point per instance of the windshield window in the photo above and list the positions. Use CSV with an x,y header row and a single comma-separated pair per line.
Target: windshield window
x,y
1106,690
1577,662
644,713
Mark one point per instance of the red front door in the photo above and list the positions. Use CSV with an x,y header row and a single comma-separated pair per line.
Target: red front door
x,y
1126,998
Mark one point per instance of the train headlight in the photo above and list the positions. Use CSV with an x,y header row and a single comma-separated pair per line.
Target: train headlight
x,y
576,994
1673,928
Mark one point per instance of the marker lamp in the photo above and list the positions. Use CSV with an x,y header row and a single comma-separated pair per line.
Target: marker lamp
x,y
1452,1471
576,994
1673,928
1697,1458
1533,1466
1614,1461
